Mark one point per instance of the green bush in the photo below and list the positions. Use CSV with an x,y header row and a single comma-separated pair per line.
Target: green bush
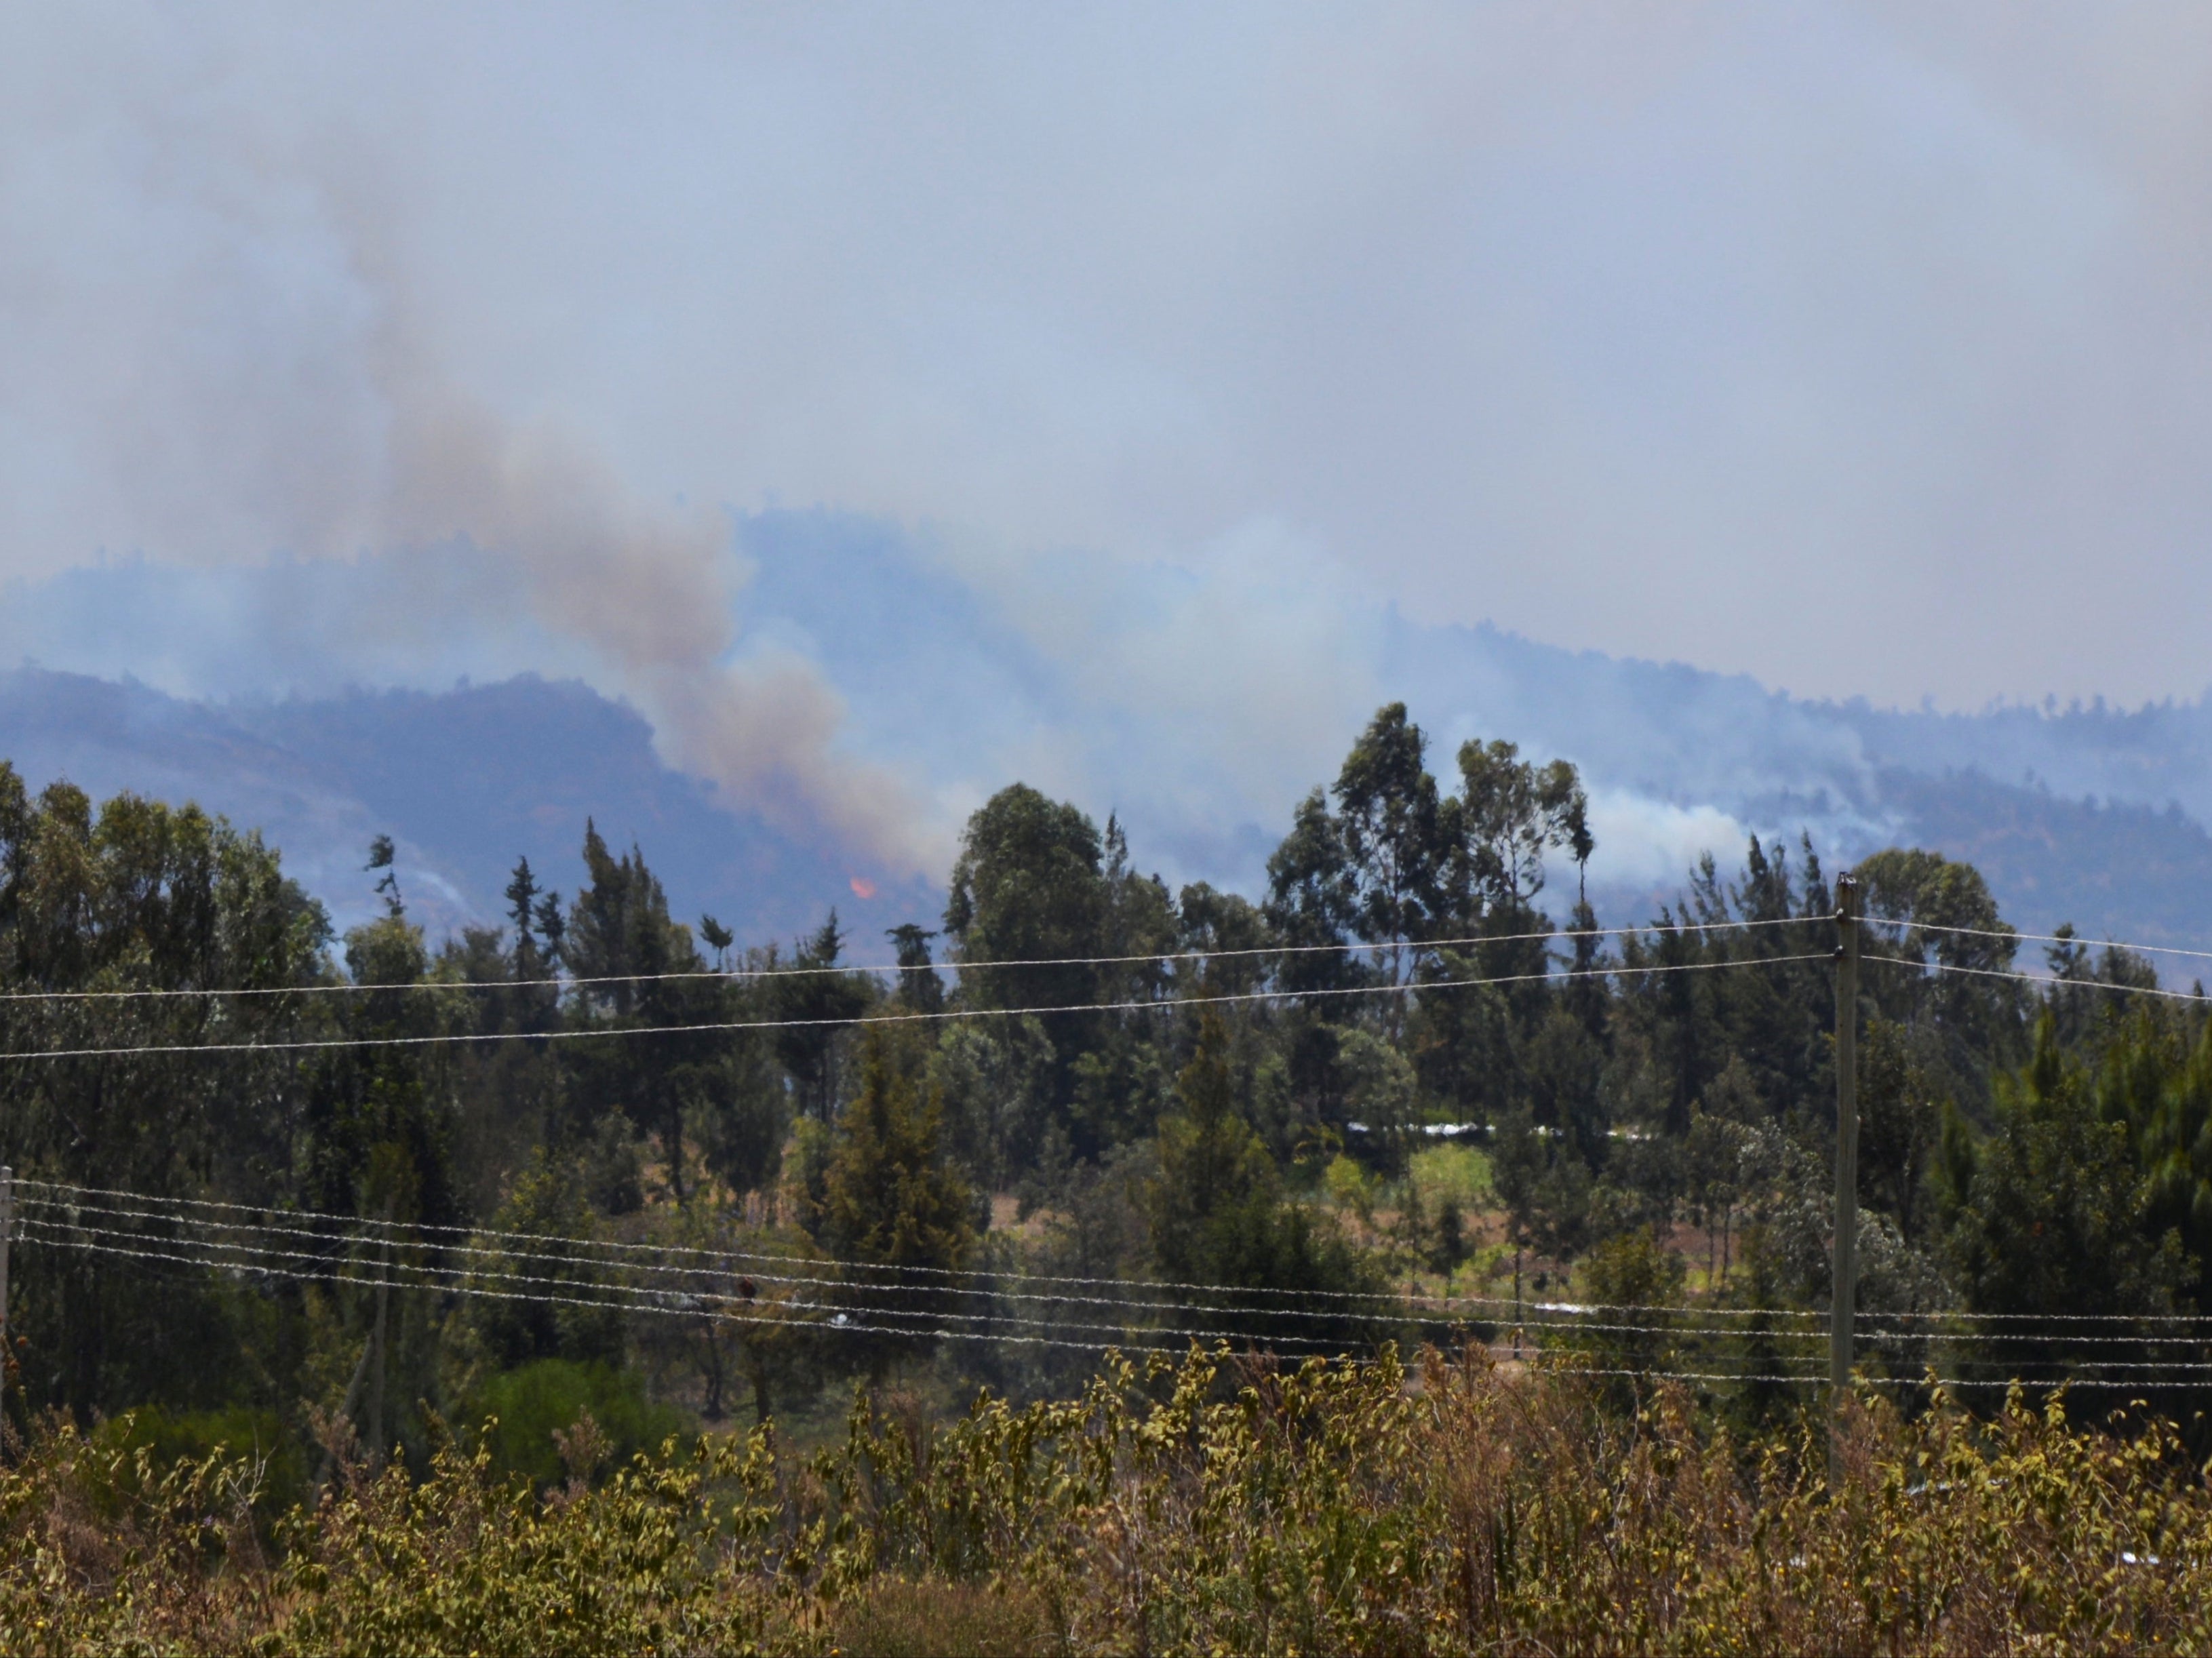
x,y
1452,1174
274,1459
528,1405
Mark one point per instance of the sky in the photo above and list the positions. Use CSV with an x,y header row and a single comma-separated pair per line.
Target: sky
x,y
1864,349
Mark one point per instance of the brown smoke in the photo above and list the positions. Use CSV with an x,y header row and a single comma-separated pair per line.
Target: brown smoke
x,y
653,589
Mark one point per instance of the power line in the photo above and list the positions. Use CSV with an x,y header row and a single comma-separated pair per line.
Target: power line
x,y
2011,935
614,1297
509,1258
2044,980
409,1234
911,1016
919,1322
624,1299
1692,1323
1408,1308
938,1326
747,974
369,1230
851,1327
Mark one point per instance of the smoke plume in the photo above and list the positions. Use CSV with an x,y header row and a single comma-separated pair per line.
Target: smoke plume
x,y
654,590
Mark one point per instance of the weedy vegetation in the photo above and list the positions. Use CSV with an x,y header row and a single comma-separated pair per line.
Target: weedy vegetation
x,y
1214,1504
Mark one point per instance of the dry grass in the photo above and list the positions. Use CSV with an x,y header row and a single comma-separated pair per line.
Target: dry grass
x,y
895,1617
1212,1506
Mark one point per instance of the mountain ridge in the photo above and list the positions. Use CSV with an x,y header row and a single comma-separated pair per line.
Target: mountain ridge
x,y
468,779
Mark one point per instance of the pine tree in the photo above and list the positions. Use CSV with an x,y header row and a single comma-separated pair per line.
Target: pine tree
x,y
522,892
816,1005
919,989
1219,1217
890,1198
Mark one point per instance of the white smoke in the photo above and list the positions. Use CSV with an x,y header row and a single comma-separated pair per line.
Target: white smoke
x,y
1643,842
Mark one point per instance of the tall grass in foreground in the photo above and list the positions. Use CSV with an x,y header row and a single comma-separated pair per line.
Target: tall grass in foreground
x,y
1212,1505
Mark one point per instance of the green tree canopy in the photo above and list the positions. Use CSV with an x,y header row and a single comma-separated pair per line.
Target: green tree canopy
x,y
2052,1212
1029,886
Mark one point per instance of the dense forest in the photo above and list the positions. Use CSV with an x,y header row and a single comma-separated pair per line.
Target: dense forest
x,y
277,1185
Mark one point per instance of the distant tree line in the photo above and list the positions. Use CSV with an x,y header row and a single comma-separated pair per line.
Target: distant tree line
x,y
1191,1087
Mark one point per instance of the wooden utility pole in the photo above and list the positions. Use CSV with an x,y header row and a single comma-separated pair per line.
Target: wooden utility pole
x,y
1843,1297
7,1228
376,1374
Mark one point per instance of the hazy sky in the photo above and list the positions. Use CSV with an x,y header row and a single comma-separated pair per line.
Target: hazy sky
x,y
1867,349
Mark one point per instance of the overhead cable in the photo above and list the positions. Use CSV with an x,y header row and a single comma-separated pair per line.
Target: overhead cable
x,y
369,1231
408,1232
611,1297
1691,1322
938,1326
2042,979
752,974
506,1262
2009,935
910,1017
1405,1308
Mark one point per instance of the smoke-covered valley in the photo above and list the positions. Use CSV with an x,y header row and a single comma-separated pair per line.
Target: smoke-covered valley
x,y
1197,704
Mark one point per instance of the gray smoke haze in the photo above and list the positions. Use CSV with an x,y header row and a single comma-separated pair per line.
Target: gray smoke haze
x,y
261,377
1867,350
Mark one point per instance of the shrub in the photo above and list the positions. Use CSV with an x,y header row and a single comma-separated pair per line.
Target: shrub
x,y
527,1405
895,1617
1216,1504
272,1459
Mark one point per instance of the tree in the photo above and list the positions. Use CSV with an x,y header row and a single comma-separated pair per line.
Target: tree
x,y
996,1080
745,1117
1563,1068
1902,1100
1029,887
1951,919
522,894
1140,927
380,858
1029,912
1545,1190
1313,901
2056,1214
1390,828
1474,1042
919,989
639,969
1634,1269
816,1005
553,929
1773,1010
1211,1162
1219,1216
546,1200
1229,935
890,1200
2153,1075
140,895
1509,812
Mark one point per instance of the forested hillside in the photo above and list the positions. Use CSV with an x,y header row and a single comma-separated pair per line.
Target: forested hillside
x,y
465,781
2095,816
278,1187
